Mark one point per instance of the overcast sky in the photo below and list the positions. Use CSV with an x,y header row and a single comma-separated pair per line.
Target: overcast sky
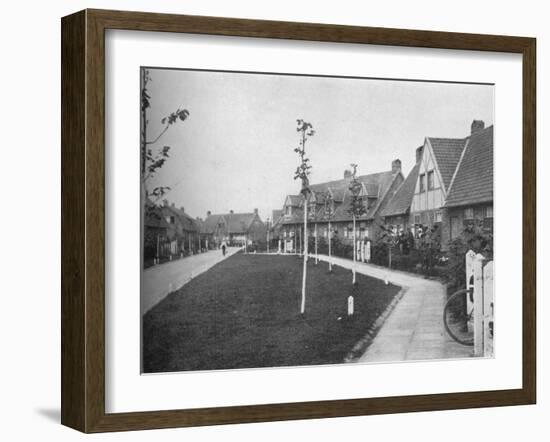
x,y
236,149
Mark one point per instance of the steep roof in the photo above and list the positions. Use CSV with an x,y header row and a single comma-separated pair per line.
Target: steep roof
x,y
473,182
239,222
373,182
275,215
210,224
187,222
234,222
447,153
376,184
295,200
402,199
154,218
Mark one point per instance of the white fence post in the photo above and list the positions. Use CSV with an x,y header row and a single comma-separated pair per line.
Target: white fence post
x,y
478,304
470,258
479,277
488,309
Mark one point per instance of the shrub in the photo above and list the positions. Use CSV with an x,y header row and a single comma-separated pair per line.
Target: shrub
x,y
475,238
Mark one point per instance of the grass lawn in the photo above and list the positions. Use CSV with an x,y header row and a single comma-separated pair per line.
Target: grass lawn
x,y
245,312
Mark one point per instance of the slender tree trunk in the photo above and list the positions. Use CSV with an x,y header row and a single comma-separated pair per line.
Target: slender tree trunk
x,y
158,249
389,257
354,250
304,272
316,254
299,240
329,248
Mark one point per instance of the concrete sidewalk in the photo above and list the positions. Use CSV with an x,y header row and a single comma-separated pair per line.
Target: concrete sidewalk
x,y
414,330
160,280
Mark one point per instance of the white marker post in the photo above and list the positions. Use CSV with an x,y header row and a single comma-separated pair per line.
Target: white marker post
x,y
350,305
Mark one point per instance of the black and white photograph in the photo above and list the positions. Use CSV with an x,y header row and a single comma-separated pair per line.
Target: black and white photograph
x,y
302,220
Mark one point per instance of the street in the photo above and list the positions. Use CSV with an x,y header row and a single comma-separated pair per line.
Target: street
x,y
160,280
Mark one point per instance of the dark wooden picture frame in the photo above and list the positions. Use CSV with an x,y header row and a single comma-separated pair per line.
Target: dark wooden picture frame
x,y
83,220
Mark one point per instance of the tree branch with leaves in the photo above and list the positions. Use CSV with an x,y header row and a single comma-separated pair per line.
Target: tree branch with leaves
x,y
152,160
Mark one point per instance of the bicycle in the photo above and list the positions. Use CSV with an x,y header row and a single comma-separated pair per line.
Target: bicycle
x,y
458,318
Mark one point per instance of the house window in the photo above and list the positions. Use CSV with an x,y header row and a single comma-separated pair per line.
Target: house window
x,y
489,212
431,180
288,210
422,182
346,232
170,219
417,219
469,213
438,216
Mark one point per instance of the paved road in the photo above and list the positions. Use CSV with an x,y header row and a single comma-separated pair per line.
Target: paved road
x,y
414,330
160,280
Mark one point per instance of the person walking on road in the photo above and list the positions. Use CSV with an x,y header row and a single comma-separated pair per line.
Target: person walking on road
x,y
224,246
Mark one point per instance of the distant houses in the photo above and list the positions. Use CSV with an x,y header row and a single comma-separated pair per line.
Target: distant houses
x,y
234,228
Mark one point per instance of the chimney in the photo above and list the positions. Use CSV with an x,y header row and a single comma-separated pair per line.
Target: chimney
x,y
182,208
208,213
165,203
255,211
173,205
396,166
347,174
477,126
419,151
231,211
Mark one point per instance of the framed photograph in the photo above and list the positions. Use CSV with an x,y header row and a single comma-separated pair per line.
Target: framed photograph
x,y
269,220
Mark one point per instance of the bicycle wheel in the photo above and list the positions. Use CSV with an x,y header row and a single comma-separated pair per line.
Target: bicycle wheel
x,y
457,317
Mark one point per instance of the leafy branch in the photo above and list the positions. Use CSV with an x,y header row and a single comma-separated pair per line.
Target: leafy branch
x,y
152,161
303,170
357,207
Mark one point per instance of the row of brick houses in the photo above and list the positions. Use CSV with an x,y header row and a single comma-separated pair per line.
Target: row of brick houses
x,y
171,232
449,186
376,190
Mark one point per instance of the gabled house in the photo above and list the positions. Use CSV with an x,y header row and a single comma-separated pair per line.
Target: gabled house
x,y
396,214
234,228
454,185
214,229
470,196
440,156
376,191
